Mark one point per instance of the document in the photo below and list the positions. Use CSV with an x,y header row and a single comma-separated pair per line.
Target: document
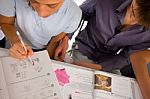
x,y
22,79
83,83
48,79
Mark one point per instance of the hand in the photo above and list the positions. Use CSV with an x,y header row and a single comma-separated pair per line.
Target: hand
x,y
88,65
17,51
54,42
61,49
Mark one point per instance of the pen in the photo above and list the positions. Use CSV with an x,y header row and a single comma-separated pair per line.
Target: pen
x,y
29,58
70,97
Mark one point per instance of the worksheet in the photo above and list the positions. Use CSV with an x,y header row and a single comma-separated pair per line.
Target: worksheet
x,y
82,83
74,82
3,87
30,79
3,52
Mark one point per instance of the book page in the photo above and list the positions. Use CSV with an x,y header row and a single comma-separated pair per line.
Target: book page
x,y
4,52
74,81
3,88
111,86
31,80
136,92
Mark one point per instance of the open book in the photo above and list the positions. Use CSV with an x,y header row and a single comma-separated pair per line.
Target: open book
x,y
21,79
83,83
25,80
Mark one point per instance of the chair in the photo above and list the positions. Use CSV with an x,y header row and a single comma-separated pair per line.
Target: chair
x,y
140,63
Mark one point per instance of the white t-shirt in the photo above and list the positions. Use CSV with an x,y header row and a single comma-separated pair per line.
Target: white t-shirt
x,y
37,31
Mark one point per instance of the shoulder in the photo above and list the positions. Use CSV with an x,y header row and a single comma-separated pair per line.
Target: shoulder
x,y
7,7
112,4
69,6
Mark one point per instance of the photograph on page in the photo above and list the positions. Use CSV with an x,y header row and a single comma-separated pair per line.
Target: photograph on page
x,y
103,82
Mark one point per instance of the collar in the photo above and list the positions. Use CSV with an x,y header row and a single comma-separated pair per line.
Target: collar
x,y
121,10
123,6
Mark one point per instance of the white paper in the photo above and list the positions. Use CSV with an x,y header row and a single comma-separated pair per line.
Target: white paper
x,y
136,93
112,86
3,88
4,52
31,81
121,86
80,84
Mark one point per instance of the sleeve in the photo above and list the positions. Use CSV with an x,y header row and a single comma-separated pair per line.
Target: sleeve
x,y
138,47
7,7
134,36
88,7
120,60
75,15
115,62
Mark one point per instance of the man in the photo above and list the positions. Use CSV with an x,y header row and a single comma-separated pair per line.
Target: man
x,y
115,29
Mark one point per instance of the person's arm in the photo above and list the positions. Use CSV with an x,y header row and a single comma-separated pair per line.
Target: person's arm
x,y
74,18
115,62
134,35
8,27
140,61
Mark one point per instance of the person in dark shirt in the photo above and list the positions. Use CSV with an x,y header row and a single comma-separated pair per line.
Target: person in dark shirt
x,y
115,29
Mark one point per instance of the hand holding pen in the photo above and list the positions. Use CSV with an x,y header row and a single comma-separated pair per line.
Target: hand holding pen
x,y
20,50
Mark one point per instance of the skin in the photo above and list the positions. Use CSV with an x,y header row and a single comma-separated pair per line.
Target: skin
x,y
44,8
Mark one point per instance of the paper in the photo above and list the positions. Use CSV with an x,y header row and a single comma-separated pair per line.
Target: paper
x,y
4,52
3,88
136,93
89,84
27,81
110,86
80,84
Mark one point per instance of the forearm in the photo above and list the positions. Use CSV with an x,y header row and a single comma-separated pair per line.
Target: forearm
x,y
8,27
10,32
139,62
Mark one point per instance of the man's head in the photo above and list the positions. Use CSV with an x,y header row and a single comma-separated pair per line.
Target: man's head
x,y
143,12
45,8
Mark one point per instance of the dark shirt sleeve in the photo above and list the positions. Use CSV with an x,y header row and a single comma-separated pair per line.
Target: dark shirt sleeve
x,y
122,59
138,47
115,62
135,35
88,7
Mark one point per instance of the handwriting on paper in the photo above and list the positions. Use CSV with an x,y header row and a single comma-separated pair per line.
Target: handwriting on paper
x,y
18,68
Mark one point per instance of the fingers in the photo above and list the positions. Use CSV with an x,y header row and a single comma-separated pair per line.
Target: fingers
x,y
29,50
57,54
19,52
64,51
61,51
16,54
65,47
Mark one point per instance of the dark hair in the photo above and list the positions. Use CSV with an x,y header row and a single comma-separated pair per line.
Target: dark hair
x,y
143,11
